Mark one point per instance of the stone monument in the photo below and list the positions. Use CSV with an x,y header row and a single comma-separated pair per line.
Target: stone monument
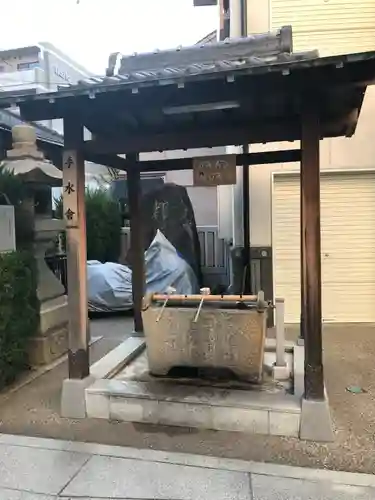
x,y
40,175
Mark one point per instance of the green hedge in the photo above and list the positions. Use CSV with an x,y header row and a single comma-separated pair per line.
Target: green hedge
x,y
13,191
19,313
103,222
103,225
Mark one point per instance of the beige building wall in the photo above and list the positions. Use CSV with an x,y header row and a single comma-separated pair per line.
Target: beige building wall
x,y
357,152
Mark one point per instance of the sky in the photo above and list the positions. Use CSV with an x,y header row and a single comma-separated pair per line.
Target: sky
x,y
89,30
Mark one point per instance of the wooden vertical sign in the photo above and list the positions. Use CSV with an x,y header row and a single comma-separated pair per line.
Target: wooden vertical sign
x,y
70,193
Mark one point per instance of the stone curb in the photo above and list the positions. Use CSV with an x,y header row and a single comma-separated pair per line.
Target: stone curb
x,y
285,471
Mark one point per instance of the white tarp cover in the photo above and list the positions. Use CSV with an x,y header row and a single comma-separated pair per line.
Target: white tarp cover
x,y
110,284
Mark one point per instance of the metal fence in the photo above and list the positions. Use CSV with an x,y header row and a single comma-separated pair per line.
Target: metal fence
x,y
214,257
58,265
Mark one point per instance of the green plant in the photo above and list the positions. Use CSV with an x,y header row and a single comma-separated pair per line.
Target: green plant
x,y
14,192
19,312
103,225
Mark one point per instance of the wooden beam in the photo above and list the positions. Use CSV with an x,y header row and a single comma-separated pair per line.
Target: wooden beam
x,y
54,152
207,136
112,161
75,219
263,158
136,242
310,255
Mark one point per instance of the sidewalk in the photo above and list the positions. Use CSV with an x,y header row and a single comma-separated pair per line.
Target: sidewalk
x,y
45,469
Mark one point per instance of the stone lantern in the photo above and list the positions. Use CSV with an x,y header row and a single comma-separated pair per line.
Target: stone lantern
x,y
28,163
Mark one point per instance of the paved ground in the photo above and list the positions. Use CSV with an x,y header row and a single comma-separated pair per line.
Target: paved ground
x,y
40,469
349,356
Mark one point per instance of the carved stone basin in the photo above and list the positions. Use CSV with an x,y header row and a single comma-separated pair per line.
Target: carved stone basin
x,y
221,338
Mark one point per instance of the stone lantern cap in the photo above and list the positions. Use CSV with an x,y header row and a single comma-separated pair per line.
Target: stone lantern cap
x,y
27,162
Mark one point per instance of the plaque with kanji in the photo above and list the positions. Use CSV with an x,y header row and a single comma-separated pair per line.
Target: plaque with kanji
x,y
70,200
215,171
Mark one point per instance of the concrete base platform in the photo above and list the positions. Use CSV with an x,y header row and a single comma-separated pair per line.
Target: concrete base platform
x,y
133,395
121,388
316,423
73,402
170,403
118,358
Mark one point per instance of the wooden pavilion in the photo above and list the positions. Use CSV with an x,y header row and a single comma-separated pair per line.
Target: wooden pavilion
x,y
229,93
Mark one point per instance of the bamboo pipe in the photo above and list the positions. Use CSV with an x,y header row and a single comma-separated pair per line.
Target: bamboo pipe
x,y
207,298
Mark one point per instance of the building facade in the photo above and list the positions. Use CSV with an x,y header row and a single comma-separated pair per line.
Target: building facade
x,y
43,68
348,173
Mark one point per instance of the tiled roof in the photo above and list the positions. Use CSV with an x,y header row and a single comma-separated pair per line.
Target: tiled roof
x,y
202,58
205,57
182,71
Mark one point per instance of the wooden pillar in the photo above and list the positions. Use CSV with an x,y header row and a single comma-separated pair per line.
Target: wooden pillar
x,y
310,255
136,238
246,284
2,147
75,219
302,246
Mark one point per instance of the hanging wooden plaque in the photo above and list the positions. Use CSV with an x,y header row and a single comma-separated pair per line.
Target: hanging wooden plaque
x,y
215,170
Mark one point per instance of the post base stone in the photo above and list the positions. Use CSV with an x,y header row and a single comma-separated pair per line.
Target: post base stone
x,y
280,372
73,397
316,423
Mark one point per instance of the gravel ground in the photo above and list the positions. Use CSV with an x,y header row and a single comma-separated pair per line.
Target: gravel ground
x,y
349,360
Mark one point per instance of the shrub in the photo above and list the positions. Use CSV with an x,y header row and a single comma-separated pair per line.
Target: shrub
x,y
103,225
14,192
103,221
19,312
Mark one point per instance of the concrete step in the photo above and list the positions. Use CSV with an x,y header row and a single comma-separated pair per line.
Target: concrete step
x,y
170,403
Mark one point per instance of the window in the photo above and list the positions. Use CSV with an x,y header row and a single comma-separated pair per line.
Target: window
x,y
27,65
